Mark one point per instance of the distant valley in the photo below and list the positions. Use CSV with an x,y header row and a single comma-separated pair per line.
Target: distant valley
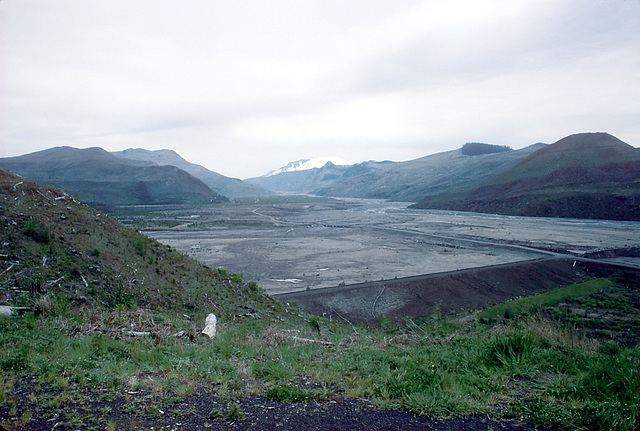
x,y
586,175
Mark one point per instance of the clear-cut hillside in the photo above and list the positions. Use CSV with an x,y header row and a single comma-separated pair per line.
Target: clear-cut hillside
x,y
226,186
99,177
61,251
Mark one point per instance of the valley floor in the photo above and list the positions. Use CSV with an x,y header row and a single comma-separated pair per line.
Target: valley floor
x,y
293,246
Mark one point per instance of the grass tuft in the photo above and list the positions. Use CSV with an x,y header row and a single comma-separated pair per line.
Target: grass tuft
x,y
287,393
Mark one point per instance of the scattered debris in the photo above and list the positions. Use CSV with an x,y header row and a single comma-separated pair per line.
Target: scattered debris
x,y
310,341
274,337
136,333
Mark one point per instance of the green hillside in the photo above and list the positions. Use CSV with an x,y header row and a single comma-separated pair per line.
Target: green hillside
x,y
454,171
230,187
588,175
99,177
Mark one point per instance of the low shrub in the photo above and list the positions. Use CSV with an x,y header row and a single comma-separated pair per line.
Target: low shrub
x,y
37,231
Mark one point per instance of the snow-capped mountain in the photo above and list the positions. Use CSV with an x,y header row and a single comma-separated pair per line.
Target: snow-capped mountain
x,y
306,164
308,176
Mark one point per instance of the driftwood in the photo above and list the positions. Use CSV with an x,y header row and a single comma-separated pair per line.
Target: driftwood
x,y
310,341
8,269
136,333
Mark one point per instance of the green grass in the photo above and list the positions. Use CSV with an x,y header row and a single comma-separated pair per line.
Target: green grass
x,y
93,281
537,369
287,393
527,305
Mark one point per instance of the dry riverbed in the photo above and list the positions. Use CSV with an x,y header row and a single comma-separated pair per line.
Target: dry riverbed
x,y
293,246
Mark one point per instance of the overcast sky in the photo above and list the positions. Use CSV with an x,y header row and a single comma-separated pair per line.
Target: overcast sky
x,y
243,86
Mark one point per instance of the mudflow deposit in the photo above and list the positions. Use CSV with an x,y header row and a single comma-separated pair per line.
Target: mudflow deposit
x,y
289,247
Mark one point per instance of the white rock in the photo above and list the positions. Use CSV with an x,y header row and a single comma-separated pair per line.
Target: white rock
x,y
210,326
7,310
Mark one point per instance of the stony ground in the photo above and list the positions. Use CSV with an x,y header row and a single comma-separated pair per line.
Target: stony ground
x,y
203,409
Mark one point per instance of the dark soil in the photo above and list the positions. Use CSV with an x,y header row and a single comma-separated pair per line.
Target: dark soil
x,y
451,292
205,410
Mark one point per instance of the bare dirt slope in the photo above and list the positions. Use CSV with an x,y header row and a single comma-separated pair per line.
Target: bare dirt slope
x,y
456,291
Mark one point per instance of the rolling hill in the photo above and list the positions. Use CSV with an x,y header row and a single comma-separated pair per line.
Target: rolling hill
x,y
586,175
412,181
99,177
230,187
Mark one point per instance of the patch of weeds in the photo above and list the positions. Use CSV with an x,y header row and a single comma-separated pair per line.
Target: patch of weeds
x,y
39,232
221,272
235,414
610,349
612,378
16,361
75,420
510,348
287,393
131,409
314,324
410,378
216,414
107,396
274,371
6,386
169,399
542,413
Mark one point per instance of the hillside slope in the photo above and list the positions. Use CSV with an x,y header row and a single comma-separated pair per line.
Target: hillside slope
x,y
587,175
55,250
99,177
411,181
230,187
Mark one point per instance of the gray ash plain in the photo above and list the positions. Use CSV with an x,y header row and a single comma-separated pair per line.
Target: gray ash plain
x,y
290,244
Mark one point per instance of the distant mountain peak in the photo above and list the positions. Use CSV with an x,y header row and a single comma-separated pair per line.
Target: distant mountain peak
x,y
306,164
226,186
160,157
